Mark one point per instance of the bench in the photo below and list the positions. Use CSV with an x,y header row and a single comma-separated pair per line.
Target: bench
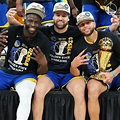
x,y
59,105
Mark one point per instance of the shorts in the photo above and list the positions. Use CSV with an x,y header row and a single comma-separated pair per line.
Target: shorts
x,y
9,80
100,16
60,80
115,85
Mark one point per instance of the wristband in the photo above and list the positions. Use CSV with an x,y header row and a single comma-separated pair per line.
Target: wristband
x,y
113,73
73,8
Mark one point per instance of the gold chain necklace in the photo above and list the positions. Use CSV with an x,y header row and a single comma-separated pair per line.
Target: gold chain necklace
x,y
89,42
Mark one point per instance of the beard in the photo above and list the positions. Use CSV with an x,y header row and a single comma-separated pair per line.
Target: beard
x,y
88,34
60,27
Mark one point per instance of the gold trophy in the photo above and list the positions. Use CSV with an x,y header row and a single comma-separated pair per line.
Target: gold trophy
x,y
104,57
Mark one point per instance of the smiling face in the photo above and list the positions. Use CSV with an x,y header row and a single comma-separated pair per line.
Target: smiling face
x,y
60,19
32,23
87,27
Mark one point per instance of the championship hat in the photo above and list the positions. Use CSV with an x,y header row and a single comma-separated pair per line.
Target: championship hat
x,y
61,6
37,9
83,16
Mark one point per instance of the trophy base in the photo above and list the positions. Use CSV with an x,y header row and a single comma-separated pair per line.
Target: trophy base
x,y
98,76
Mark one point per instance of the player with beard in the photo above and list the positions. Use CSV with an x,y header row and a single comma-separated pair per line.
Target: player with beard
x,y
28,51
90,55
62,38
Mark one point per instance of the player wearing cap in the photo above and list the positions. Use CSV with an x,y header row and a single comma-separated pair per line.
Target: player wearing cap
x,y
62,38
28,50
97,57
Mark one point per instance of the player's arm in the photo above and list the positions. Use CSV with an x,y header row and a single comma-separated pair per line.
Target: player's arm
x,y
19,7
74,9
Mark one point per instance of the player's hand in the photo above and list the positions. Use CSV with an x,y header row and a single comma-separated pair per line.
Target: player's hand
x,y
108,77
3,38
11,12
115,23
80,59
38,56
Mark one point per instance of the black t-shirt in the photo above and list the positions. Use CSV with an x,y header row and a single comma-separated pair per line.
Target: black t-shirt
x,y
61,46
93,53
88,2
20,50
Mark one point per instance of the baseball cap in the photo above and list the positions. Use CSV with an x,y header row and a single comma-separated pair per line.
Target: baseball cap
x,y
84,16
37,9
61,6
